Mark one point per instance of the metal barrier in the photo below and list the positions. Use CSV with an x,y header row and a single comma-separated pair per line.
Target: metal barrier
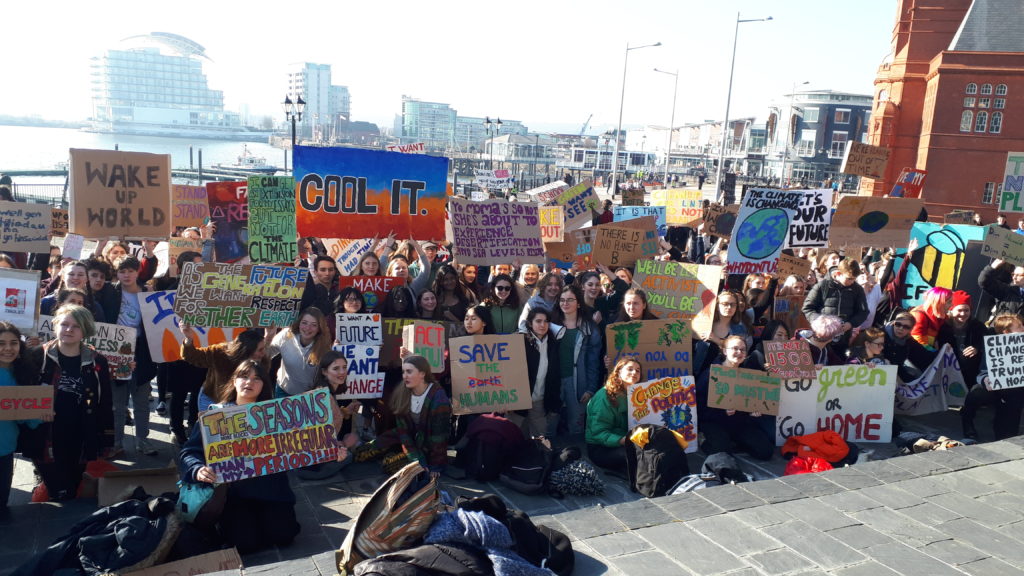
x,y
48,193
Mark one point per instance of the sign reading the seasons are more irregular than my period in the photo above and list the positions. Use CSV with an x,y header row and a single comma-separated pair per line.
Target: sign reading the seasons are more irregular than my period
x,y
272,220
269,437
372,191
239,295
669,402
489,374
495,231
761,230
122,194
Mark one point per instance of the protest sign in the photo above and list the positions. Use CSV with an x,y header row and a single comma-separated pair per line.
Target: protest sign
x,y
552,223
189,205
586,239
761,230
789,311
743,389
392,338
909,183
1011,199
959,217
563,254
676,290
616,246
810,224
426,339
1004,244
719,220
413,148
239,295
115,342
478,195
790,360
161,326
632,197
547,192
59,225
669,402
87,250
176,247
346,253
661,346
856,401
26,402
495,231
682,207
864,160
870,221
624,213
363,329
792,266
1004,354
489,374
940,386
948,256
578,201
123,194
73,245
272,220
20,291
798,409
493,179
229,212
269,437
25,227
374,288
365,379
372,191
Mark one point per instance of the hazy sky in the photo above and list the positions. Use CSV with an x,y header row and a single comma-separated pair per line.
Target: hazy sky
x,y
547,63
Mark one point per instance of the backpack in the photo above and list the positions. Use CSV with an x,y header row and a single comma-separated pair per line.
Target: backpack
x,y
528,468
718,469
658,466
491,439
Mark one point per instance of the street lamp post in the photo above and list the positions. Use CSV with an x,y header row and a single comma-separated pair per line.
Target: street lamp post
x,y
622,101
728,99
789,133
490,135
668,151
293,113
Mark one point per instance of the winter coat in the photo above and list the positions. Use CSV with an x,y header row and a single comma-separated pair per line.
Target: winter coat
x,y
831,297
145,368
426,440
974,335
606,422
586,357
897,352
553,379
1009,298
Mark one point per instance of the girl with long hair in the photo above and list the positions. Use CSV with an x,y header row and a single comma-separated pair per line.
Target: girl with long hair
x,y
426,302
350,301
220,360
301,346
930,315
729,319
545,295
607,416
503,301
15,370
478,321
542,368
369,265
332,373
634,306
452,295
399,303
579,353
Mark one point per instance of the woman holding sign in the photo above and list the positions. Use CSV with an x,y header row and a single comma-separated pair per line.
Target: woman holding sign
x,y
332,373
15,370
222,359
579,352
607,417
301,347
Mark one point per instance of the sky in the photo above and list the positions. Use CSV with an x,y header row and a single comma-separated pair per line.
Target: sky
x,y
549,64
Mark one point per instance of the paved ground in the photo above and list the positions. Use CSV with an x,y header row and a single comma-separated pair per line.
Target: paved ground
x,y
939,513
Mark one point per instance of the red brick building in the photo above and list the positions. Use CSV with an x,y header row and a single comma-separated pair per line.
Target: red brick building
x,y
949,99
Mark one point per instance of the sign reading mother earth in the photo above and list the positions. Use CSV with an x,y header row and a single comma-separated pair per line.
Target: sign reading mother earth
x,y
761,230
489,374
371,191
269,437
123,194
495,231
239,295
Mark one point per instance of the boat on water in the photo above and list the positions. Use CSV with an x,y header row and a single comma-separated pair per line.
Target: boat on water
x,y
248,162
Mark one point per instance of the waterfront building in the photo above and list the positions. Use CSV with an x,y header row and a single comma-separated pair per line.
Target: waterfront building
x,y
327,104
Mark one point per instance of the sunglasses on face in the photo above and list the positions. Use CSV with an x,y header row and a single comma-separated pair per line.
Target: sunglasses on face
x,y
903,326
502,288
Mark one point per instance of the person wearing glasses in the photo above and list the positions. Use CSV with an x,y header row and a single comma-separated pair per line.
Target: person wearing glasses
x,y
579,353
503,301
900,347
350,301
868,347
966,336
820,339
730,430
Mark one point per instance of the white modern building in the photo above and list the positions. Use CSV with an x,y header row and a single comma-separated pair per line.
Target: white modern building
x,y
326,103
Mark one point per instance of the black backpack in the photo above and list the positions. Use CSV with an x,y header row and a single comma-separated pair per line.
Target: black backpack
x,y
658,466
490,440
528,468
718,469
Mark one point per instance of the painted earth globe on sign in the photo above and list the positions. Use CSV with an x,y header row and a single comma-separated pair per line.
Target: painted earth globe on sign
x,y
762,233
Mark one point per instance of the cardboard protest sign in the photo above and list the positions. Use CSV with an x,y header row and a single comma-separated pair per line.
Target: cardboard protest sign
x,y
365,379
229,212
20,291
719,220
392,338
114,484
1011,199
624,213
1004,244
677,290
761,230
216,561
616,246
1005,356
374,288
372,191
563,254
856,401
493,179
669,402
426,339
547,192
743,389
552,223
682,207
59,223
269,437
272,232
25,402
189,206
578,202
632,197
123,194
909,183
586,240
161,326
73,245
25,227
959,217
115,342
940,386
949,256
810,224
792,266
790,360
864,160
789,311
363,329
870,221
239,295
495,231
346,253
489,374
176,247
661,346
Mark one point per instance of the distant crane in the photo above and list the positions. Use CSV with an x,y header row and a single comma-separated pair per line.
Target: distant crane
x,y
585,125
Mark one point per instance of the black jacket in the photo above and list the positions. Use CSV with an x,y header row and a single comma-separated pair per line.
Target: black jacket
x,y
975,333
831,297
1009,298
553,381
145,368
897,354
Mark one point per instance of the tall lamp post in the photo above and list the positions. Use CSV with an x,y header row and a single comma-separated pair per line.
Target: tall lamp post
x,y
293,113
728,99
492,129
622,100
668,151
788,135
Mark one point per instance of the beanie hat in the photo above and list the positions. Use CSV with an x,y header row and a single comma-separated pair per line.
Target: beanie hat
x,y
961,298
